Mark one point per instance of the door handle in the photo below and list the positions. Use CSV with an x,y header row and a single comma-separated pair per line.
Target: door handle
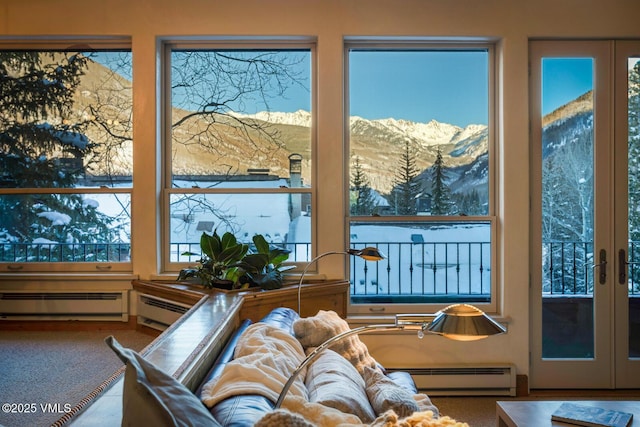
x,y
602,277
622,266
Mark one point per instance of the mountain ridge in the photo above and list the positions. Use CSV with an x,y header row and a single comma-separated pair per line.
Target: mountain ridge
x,y
213,144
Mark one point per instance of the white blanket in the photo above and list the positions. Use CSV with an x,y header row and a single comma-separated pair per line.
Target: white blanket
x,y
264,358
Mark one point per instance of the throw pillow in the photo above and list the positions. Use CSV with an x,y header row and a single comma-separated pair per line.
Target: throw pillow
x,y
384,394
332,381
313,331
151,397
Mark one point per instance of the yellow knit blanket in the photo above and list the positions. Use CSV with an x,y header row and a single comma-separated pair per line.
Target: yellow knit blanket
x,y
299,413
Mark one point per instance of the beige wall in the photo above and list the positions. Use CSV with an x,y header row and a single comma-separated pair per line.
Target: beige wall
x,y
512,22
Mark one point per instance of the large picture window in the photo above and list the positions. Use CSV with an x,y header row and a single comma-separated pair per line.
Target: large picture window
x,y
66,157
420,173
238,157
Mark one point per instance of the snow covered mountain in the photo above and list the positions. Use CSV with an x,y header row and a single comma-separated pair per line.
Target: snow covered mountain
x,y
377,143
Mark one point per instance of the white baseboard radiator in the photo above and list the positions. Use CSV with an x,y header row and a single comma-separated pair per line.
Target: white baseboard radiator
x,y
65,305
474,380
158,313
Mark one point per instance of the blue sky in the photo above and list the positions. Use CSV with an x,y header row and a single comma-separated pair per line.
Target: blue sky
x,y
450,87
563,80
447,86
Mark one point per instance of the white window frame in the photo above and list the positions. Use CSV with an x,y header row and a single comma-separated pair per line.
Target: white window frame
x,y
72,44
229,42
400,43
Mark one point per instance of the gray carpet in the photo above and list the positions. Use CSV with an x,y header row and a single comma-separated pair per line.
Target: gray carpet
x,y
42,374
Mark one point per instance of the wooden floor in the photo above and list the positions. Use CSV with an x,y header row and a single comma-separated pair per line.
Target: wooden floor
x,y
604,393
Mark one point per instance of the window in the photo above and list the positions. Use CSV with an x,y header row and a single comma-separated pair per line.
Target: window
x,y
420,186
66,158
238,152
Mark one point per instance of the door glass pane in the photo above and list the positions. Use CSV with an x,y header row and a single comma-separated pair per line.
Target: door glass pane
x,y
567,208
634,206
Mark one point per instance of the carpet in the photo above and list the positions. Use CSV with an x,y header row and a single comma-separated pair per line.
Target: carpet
x,y
46,373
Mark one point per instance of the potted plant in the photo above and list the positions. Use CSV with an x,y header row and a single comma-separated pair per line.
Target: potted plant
x,y
219,265
264,267
229,264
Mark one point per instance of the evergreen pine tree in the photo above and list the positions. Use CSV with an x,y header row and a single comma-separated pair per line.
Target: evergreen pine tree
x,y
441,203
406,186
363,200
43,147
469,203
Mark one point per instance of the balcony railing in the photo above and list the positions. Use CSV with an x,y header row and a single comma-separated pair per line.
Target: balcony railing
x,y
412,271
568,268
65,252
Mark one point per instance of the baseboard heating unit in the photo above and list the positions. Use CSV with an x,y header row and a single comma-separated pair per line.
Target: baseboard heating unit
x,y
64,305
473,380
158,313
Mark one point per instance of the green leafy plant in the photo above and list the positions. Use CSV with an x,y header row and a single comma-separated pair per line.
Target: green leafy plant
x,y
221,258
264,267
226,262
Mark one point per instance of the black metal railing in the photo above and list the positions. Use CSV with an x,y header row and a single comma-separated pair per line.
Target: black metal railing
x,y
65,252
412,270
568,268
421,271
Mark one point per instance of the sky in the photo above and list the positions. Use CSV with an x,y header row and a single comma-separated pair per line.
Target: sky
x,y
420,86
563,80
447,86
450,87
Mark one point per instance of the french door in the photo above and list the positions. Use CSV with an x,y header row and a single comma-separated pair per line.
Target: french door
x,y
585,228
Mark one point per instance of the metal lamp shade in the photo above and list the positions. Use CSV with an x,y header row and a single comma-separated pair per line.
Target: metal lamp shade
x,y
464,322
369,253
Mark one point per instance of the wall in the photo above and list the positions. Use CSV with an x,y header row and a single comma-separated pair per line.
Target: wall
x,y
512,22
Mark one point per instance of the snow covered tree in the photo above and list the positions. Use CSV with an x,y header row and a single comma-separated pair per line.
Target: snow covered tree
x,y
441,203
469,203
567,202
634,152
634,164
406,184
363,201
44,146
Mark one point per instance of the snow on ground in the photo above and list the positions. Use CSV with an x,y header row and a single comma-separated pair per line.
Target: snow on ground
x,y
431,259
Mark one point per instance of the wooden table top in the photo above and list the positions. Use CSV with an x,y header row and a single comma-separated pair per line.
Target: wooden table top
x,y
537,413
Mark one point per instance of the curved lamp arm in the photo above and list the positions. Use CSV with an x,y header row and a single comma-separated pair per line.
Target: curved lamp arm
x,y
304,272
368,254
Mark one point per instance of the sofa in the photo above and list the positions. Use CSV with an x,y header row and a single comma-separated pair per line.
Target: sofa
x,y
343,386
337,380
